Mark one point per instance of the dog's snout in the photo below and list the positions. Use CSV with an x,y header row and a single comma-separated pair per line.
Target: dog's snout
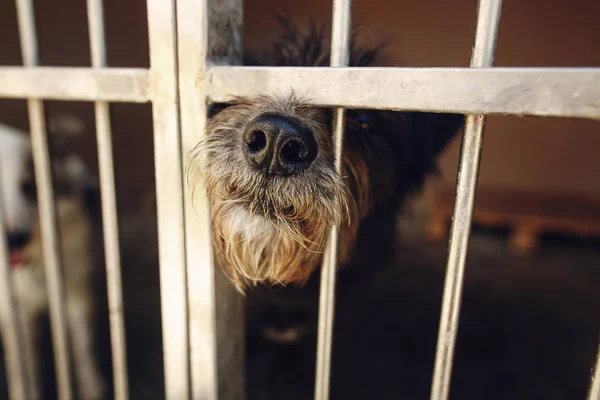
x,y
17,239
278,144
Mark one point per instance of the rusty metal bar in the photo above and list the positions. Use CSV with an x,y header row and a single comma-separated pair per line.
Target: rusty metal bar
x,y
169,196
47,211
340,56
488,18
109,209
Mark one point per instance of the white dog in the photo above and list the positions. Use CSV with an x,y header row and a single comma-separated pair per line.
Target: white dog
x,y
18,196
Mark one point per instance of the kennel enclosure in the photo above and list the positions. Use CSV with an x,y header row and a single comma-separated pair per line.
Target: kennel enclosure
x,y
194,48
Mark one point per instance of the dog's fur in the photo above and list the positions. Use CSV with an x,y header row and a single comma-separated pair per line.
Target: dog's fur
x,y
273,229
76,202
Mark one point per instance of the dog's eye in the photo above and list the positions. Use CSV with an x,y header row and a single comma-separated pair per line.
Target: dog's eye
x,y
289,210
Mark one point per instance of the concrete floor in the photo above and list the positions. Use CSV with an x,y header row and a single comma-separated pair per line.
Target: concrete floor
x,y
528,329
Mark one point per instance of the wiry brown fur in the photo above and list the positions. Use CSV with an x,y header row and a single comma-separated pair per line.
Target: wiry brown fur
x,y
273,229
290,216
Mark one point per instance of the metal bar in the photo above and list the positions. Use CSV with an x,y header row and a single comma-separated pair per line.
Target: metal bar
x,y
559,92
85,84
340,33
169,197
594,390
216,322
47,211
95,14
562,92
50,248
192,42
488,18
109,209
327,289
340,57
11,332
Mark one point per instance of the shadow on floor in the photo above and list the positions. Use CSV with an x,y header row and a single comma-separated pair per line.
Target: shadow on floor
x,y
528,329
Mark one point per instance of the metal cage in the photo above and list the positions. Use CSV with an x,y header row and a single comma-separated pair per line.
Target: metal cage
x,y
181,81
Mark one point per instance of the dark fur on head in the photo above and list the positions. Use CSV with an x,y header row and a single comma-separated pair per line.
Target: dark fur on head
x,y
273,229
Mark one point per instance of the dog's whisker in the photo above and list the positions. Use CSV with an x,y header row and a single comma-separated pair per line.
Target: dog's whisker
x,y
269,171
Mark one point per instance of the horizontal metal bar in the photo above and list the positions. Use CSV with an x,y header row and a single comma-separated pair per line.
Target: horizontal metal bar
x,y
84,84
567,92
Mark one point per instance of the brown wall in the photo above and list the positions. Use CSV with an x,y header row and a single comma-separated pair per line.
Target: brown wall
x,y
546,154
63,41
549,154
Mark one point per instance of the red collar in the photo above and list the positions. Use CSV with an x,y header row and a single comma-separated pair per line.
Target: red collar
x,y
17,260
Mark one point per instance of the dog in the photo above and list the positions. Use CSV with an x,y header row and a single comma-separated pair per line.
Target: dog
x,y
269,175
76,200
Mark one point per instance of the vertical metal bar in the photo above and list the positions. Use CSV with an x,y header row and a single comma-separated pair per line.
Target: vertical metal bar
x,y
109,208
192,34
488,18
169,196
19,387
594,390
216,323
47,211
340,56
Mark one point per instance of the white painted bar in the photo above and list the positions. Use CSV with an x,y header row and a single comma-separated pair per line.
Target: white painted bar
x,y
47,211
110,223
594,389
192,344
169,197
340,57
216,321
10,328
488,19
559,92
66,83
563,92
51,248
192,42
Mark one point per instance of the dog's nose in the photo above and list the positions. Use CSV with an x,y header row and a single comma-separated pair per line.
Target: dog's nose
x,y
279,144
17,239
